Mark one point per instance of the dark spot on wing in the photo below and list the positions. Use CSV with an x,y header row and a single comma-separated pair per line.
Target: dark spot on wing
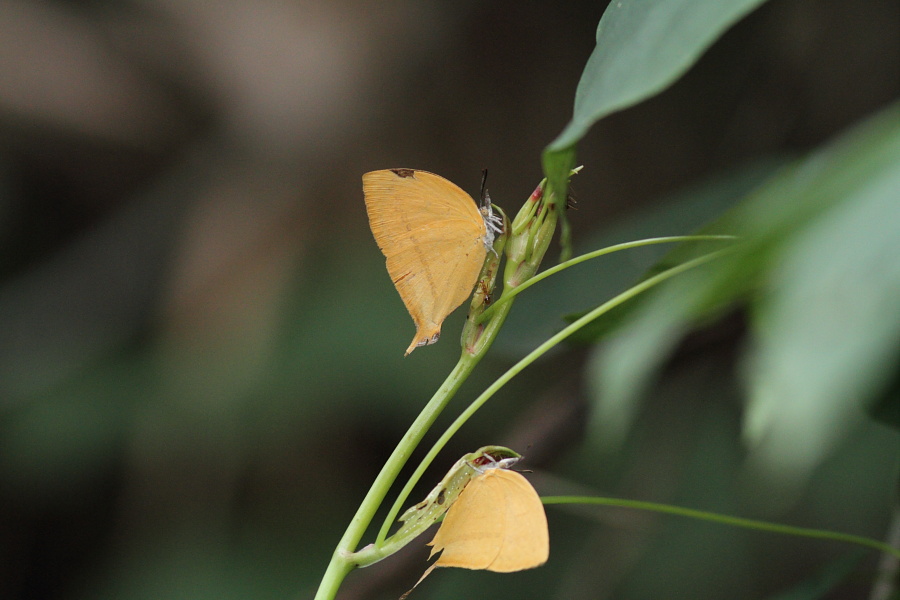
x,y
404,173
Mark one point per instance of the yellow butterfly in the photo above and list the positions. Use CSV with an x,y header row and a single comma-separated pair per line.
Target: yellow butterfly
x,y
497,523
435,240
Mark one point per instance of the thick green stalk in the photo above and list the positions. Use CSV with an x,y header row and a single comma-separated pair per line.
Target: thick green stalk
x,y
343,560
487,337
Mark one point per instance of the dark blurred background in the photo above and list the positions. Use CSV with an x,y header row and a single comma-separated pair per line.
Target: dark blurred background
x,y
201,353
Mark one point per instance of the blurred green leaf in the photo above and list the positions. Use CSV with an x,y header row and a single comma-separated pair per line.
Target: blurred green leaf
x,y
574,291
827,335
817,263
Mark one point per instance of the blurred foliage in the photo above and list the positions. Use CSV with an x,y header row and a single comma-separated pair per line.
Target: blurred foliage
x,y
201,354
811,267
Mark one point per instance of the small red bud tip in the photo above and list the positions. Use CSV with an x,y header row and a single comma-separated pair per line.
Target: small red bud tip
x,y
536,194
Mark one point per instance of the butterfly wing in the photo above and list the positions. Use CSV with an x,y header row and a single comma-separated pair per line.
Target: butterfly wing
x,y
472,534
497,523
435,276
526,539
432,235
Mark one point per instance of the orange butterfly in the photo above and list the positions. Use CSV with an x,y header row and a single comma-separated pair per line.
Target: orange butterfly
x,y
435,239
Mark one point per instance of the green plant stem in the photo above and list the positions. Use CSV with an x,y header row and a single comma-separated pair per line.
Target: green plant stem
x,y
508,297
726,520
490,332
541,350
343,559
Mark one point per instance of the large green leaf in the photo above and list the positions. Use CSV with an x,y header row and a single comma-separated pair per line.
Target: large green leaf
x,y
642,47
817,264
828,335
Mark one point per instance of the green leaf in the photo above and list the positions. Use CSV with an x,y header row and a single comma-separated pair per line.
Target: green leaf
x,y
817,265
828,333
642,47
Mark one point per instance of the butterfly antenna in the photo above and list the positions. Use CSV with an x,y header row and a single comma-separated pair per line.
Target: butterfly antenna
x,y
485,198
